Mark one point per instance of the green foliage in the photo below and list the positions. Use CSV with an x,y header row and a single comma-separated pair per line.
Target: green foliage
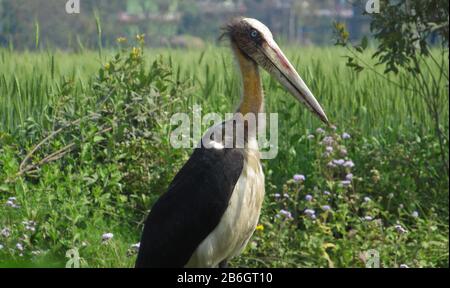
x,y
340,213
404,31
109,148
111,132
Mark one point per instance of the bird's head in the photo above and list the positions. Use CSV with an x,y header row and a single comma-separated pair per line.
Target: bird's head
x,y
255,41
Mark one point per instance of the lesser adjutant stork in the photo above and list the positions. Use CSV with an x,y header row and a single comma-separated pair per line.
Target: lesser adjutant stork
x,y
213,204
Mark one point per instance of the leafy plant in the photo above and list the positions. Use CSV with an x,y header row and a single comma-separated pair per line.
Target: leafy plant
x,y
404,31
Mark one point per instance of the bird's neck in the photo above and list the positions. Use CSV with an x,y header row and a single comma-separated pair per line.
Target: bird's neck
x,y
252,93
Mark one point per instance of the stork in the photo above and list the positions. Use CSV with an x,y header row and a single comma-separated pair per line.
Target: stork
x,y
213,204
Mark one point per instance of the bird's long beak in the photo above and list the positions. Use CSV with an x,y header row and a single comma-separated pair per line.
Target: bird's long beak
x,y
278,66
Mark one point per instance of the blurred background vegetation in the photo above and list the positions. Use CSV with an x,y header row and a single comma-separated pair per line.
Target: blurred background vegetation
x,y
170,22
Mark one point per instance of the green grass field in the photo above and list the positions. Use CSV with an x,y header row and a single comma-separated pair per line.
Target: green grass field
x,y
396,201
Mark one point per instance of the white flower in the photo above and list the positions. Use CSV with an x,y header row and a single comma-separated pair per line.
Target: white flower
x,y
349,177
367,199
5,232
320,131
107,236
11,203
29,225
404,266
368,218
19,247
328,193
311,136
308,197
400,229
1,246
329,149
415,214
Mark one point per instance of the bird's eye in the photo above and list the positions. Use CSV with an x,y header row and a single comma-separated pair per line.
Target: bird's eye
x,y
254,33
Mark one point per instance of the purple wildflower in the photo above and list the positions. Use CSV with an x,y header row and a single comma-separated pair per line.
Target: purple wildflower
x,y
299,177
346,135
308,197
339,162
107,237
326,208
310,213
328,140
286,213
346,183
349,164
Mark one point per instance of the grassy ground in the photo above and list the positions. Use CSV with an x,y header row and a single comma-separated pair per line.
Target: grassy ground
x,y
396,200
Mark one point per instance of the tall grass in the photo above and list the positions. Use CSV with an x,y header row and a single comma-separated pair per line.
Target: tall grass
x,y
29,81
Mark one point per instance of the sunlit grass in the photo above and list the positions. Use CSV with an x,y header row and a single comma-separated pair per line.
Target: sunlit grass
x,y
29,81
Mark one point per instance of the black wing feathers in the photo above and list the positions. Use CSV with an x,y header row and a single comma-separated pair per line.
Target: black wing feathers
x,y
191,208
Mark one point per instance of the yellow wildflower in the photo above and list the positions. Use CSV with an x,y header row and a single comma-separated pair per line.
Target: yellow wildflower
x,y
260,227
135,52
140,37
121,40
